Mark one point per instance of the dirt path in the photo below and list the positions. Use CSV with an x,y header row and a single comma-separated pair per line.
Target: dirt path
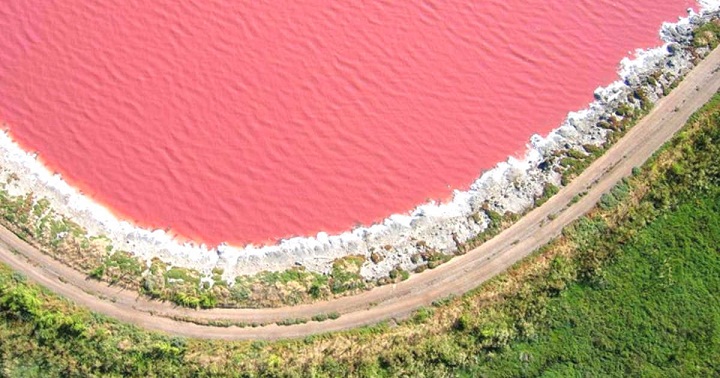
x,y
461,274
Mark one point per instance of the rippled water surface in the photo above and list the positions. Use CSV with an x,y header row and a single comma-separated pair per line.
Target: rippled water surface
x,y
246,121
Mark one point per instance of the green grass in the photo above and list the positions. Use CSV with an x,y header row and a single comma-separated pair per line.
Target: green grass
x,y
180,274
655,313
707,35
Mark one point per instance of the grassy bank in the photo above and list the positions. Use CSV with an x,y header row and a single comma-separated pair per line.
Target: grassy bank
x,y
630,289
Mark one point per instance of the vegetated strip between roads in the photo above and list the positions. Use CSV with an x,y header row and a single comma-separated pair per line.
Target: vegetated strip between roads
x,y
459,275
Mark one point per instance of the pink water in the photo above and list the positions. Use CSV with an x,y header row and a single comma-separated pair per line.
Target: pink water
x,y
250,121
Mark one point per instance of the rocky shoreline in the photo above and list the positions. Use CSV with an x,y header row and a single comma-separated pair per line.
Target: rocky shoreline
x,y
511,187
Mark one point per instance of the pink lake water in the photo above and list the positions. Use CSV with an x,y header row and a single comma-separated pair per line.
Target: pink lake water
x,y
250,121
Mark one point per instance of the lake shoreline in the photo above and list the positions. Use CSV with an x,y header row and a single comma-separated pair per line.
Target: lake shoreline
x,y
511,187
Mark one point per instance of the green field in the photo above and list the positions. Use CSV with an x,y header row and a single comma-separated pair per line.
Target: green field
x,y
653,311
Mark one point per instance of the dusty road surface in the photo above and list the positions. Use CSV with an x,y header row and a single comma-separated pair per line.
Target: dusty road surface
x,y
460,275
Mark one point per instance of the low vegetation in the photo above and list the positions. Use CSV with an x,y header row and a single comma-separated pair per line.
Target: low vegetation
x,y
707,35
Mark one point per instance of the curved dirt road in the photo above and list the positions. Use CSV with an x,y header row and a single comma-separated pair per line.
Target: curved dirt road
x,y
460,275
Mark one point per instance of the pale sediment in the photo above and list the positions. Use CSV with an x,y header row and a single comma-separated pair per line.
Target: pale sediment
x,y
512,186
